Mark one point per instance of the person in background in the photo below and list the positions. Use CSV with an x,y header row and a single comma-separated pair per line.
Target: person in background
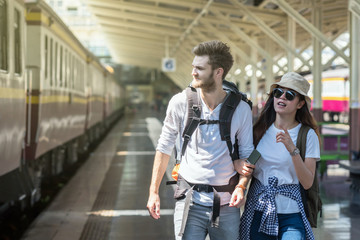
x,y
274,208
206,163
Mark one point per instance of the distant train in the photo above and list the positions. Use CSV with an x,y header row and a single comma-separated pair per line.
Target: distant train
x,y
56,99
335,94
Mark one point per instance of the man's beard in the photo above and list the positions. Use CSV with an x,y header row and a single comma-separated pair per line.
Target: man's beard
x,y
207,84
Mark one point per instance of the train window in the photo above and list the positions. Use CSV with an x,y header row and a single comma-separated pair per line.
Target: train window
x,y
71,73
17,41
61,67
78,75
82,79
78,79
3,36
51,62
46,57
56,63
65,68
75,73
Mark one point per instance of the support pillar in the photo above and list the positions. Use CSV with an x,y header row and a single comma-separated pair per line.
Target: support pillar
x,y
354,89
292,43
269,73
242,82
254,84
317,69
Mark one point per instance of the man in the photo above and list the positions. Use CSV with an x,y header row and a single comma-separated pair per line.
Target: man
x,y
206,161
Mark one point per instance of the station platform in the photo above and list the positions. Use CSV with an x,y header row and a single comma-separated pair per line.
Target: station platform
x,y
106,198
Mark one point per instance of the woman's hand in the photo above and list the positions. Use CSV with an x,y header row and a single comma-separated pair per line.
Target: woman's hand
x,y
284,137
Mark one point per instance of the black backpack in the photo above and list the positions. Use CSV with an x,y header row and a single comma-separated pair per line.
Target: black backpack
x,y
310,197
227,110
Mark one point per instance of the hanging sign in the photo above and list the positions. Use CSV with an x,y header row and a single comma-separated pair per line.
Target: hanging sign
x,y
168,64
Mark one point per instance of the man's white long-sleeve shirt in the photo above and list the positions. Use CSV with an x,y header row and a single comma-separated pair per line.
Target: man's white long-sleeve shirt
x,y
206,159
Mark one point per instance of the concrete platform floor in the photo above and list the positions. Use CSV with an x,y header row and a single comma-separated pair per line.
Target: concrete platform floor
x,y
107,197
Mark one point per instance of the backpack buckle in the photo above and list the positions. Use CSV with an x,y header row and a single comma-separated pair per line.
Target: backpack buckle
x,y
227,138
230,106
196,108
186,137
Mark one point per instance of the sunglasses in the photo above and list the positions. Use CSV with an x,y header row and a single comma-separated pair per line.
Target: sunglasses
x,y
289,94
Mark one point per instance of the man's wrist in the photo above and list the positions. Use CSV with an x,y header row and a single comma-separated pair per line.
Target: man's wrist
x,y
240,185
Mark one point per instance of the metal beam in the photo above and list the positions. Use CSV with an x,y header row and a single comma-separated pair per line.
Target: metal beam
x,y
113,15
247,39
134,40
116,32
149,63
270,32
309,27
190,27
128,49
141,8
354,7
141,26
329,62
269,14
240,33
235,48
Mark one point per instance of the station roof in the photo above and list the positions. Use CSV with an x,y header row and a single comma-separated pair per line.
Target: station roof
x,y
143,32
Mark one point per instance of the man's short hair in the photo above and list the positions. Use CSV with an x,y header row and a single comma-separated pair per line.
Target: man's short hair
x,y
218,52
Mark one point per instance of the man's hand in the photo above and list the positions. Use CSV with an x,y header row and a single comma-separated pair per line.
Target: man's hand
x,y
160,163
243,167
153,205
237,198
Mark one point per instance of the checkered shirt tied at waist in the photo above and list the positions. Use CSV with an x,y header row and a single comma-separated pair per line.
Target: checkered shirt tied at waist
x,y
262,198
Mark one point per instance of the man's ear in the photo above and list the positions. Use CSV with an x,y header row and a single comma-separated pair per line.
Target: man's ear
x,y
220,72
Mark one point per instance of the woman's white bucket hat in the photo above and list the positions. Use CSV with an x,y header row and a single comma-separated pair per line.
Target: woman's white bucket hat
x,y
296,82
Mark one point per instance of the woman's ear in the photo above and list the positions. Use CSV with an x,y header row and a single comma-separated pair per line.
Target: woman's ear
x,y
300,104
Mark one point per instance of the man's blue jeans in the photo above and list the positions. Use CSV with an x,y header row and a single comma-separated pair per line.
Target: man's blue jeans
x,y
291,226
198,224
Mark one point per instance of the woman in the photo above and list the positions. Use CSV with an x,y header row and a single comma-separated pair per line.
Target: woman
x,y
274,209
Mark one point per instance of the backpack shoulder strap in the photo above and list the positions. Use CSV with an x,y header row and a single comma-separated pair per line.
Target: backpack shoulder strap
x,y
310,197
245,99
194,114
226,113
301,145
301,140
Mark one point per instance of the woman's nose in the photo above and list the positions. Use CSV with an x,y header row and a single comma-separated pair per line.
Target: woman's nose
x,y
283,95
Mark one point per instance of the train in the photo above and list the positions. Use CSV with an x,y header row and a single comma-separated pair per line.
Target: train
x,y
334,95
56,99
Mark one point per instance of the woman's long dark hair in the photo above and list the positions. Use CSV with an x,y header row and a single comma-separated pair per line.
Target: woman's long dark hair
x,y
268,115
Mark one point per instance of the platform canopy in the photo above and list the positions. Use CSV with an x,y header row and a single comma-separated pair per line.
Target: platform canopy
x,y
261,33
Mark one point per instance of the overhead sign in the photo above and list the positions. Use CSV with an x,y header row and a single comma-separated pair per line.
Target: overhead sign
x,y
168,64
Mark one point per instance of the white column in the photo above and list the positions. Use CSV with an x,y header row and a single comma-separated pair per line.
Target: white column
x,y
254,81
292,43
242,78
354,87
269,74
317,68
355,63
